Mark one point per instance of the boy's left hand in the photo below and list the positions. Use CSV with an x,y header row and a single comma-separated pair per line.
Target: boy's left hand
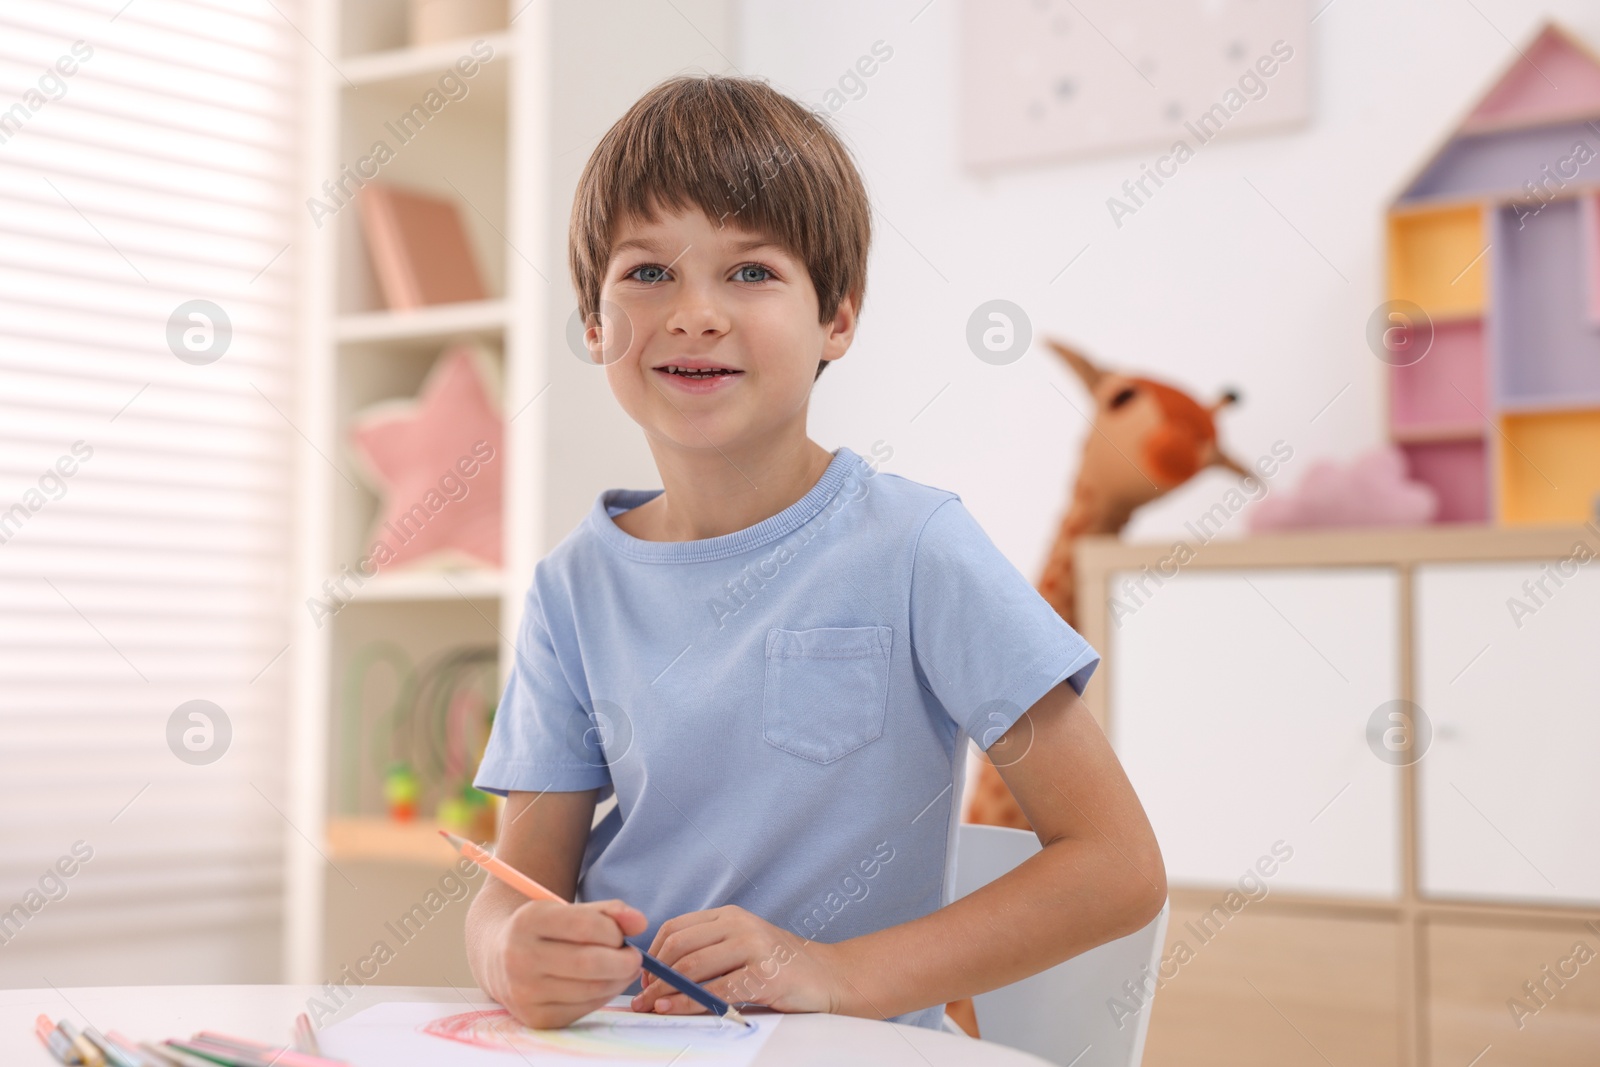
x,y
744,960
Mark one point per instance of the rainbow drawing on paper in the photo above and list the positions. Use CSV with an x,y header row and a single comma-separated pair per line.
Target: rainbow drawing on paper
x,y
480,1033
607,1033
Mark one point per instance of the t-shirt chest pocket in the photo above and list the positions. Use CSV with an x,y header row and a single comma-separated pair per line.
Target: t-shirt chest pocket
x,y
826,691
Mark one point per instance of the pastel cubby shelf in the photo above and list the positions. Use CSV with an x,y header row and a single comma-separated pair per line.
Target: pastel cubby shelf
x,y
1497,239
1547,344
1550,466
1436,259
1455,469
1445,393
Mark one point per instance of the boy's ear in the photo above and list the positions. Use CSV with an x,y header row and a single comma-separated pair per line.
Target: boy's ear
x,y
842,330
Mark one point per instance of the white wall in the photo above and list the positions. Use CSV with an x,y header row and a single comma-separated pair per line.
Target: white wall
x,y
1206,286
607,54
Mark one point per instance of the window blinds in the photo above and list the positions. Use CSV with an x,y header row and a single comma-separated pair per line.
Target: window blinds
x,y
148,203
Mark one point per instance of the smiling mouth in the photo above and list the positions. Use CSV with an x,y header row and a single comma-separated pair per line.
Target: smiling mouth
x,y
680,372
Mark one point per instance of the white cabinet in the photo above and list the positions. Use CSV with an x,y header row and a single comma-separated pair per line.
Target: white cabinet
x,y
1239,708
1240,696
1510,787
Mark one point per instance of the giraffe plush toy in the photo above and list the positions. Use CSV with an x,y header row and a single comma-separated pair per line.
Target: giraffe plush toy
x,y
1148,438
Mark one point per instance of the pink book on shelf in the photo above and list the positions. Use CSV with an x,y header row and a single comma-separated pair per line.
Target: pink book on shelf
x,y
419,248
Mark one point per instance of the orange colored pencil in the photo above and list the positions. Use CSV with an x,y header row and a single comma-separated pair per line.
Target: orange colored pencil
x,y
501,869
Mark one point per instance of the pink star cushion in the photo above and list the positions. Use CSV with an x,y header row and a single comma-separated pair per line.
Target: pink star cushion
x,y
435,462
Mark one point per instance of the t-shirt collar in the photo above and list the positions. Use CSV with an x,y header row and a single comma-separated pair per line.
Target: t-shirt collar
x,y
791,518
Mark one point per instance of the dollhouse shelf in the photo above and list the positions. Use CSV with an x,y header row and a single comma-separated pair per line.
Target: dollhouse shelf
x,y
1497,239
479,318
1425,434
1536,405
385,840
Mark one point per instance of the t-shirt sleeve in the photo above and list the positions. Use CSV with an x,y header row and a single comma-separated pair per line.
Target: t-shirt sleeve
x,y
985,642
543,738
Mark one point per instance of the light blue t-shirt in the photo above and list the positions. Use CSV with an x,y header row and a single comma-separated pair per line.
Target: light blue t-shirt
x,y
782,711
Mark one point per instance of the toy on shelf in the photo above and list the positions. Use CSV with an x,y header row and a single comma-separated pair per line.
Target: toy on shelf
x,y
468,814
1148,439
425,744
435,463
1372,490
1494,283
400,790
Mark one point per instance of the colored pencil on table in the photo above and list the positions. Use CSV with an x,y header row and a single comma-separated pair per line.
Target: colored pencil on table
x,y
130,1048
530,888
220,1052
111,1052
305,1038
161,1056
59,1045
243,1043
207,1042
182,1057
91,1055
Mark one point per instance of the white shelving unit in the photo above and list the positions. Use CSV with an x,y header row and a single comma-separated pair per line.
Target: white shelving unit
x,y
479,318
489,149
511,149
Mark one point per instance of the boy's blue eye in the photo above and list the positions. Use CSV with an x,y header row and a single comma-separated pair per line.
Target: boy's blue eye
x,y
739,275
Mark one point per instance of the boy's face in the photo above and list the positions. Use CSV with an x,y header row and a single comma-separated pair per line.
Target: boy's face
x,y
691,293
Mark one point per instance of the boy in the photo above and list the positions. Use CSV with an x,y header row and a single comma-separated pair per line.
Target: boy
x,y
774,662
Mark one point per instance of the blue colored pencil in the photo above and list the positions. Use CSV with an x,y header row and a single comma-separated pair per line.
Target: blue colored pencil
x,y
689,987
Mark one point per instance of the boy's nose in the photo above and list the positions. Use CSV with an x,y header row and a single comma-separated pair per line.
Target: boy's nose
x,y
697,316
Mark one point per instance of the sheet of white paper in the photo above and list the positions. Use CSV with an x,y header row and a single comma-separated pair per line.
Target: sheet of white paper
x,y
462,1034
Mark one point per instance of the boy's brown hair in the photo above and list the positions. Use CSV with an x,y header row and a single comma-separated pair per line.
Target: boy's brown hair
x,y
747,156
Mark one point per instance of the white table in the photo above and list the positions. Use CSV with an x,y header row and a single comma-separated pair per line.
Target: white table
x,y
265,1013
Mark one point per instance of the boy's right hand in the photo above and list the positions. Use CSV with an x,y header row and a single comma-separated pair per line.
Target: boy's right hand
x,y
560,961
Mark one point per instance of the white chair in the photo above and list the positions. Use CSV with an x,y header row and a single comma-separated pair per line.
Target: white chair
x,y
1064,1015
